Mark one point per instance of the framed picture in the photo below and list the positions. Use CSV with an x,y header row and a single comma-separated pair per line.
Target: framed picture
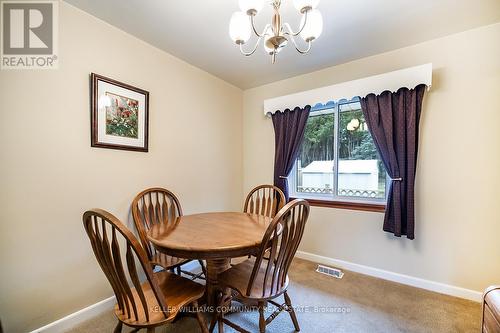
x,y
119,115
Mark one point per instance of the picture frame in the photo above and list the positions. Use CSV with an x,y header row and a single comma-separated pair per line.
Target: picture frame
x,y
119,115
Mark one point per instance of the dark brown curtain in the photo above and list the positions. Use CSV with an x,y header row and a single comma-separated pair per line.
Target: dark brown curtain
x,y
289,129
393,121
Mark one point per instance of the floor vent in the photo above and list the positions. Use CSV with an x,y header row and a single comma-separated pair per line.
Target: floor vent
x,y
335,272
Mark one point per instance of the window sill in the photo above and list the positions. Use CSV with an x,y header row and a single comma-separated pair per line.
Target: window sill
x,y
367,207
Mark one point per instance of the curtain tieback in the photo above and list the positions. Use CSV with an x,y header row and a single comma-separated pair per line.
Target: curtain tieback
x,y
398,179
282,177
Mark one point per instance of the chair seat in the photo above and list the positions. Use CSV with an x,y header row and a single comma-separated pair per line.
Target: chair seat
x,y
178,292
238,276
167,261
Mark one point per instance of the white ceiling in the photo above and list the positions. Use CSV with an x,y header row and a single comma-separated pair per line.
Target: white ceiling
x,y
197,31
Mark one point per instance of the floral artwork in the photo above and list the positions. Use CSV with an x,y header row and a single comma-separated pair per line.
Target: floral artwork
x,y
122,116
119,115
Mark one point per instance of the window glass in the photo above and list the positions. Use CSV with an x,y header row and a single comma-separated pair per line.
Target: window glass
x,y
316,161
338,159
360,171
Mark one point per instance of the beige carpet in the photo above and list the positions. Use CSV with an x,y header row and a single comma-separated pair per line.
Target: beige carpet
x,y
364,304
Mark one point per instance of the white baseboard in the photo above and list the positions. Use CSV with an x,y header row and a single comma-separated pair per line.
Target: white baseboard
x,y
395,277
72,320
80,316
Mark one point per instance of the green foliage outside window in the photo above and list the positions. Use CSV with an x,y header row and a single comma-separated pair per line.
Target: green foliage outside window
x,y
318,144
318,139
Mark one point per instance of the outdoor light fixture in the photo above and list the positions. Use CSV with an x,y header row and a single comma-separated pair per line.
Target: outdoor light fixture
x,y
276,34
355,124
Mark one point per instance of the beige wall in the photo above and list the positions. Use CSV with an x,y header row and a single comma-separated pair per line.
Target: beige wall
x,y
49,174
458,181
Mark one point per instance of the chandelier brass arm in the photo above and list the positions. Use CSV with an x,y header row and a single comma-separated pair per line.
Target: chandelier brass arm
x,y
255,29
309,44
290,30
247,54
260,36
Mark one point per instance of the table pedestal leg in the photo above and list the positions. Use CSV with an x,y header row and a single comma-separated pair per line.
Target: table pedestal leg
x,y
214,267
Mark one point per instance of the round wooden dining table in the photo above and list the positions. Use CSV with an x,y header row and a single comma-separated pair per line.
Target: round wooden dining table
x,y
214,237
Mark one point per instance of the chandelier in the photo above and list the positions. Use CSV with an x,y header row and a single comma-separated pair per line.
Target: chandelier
x,y
277,34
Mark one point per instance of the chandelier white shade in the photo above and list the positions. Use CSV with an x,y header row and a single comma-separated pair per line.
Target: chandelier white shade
x,y
276,34
239,28
313,27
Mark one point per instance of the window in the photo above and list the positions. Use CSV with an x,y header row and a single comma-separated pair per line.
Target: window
x,y
338,161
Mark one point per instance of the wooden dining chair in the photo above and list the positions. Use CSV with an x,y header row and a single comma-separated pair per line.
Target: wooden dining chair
x,y
257,280
153,206
152,303
264,200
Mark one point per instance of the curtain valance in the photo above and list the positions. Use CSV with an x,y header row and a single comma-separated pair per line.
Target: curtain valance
x,y
392,81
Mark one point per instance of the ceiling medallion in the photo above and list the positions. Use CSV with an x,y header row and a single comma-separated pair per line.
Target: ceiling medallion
x,y
276,34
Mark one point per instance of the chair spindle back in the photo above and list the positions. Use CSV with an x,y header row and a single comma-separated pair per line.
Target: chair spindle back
x,y
154,206
106,233
264,200
280,242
